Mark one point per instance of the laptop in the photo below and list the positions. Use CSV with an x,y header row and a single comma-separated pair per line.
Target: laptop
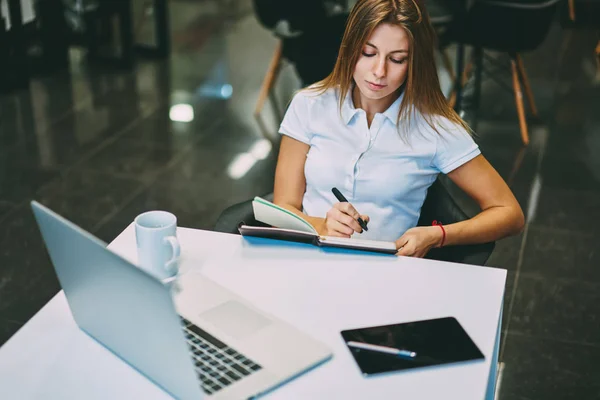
x,y
197,340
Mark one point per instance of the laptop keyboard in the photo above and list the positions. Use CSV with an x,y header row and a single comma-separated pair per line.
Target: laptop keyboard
x,y
217,365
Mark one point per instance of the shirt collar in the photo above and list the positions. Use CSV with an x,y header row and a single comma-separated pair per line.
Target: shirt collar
x,y
349,111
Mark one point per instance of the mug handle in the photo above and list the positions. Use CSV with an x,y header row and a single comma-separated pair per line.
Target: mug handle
x,y
171,265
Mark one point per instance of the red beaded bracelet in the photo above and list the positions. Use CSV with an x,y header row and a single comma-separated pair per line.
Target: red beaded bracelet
x,y
436,223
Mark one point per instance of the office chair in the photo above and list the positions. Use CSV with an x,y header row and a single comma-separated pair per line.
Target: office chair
x,y
512,27
309,36
438,206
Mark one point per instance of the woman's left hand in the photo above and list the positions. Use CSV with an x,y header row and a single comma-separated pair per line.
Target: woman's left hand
x,y
416,242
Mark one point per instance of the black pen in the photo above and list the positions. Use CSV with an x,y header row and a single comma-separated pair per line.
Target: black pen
x,y
338,195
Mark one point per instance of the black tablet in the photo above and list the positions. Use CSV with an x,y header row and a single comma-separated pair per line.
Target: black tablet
x,y
410,345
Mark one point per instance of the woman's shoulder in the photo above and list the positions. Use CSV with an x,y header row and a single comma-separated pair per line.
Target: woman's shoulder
x,y
313,95
439,126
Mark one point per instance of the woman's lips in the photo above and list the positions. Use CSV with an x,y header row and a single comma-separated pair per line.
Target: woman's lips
x,y
374,86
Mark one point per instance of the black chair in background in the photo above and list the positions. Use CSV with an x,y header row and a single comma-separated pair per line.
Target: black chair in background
x,y
309,36
438,206
512,27
309,33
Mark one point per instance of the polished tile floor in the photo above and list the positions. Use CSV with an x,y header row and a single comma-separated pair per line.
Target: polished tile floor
x,y
100,146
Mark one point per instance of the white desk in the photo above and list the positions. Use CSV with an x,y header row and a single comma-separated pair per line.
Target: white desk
x,y
320,293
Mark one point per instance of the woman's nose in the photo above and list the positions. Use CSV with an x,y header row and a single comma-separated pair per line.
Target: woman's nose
x,y
379,68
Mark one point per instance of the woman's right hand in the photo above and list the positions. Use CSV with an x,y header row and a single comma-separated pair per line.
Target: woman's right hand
x,y
342,221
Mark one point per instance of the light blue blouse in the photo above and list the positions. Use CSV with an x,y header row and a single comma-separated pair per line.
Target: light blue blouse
x,y
381,173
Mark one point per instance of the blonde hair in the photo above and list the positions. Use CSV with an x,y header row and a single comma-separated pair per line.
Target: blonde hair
x,y
422,90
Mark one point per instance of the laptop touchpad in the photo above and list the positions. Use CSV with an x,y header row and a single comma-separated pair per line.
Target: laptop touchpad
x,y
235,319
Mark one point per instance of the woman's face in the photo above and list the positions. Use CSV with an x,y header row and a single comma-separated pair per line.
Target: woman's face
x,y
383,64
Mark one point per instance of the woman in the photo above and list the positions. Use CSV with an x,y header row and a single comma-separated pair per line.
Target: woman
x,y
380,130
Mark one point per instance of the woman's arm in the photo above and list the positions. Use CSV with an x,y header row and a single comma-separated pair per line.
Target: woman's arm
x,y
501,214
290,185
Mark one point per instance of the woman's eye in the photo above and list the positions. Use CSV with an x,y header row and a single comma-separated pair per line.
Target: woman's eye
x,y
368,54
398,61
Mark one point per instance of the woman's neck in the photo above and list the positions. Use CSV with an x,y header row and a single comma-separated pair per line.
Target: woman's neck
x,y
371,106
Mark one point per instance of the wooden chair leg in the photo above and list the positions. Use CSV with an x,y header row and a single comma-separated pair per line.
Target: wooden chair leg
x,y
465,77
447,64
516,166
572,10
525,79
467,73
519,102
269,79
598,56
452,99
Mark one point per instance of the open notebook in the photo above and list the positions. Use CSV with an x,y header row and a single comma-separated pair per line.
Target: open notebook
x,y
286,225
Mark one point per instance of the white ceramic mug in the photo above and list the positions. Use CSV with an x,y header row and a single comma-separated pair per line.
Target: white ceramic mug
x,y
157,244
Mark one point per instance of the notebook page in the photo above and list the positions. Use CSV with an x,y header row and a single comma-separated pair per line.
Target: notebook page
x,y
271,214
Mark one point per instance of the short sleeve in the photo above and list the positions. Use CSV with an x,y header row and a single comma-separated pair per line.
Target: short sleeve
x,y
295,121
455,147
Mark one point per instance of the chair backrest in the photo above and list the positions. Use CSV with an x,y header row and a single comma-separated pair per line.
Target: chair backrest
x,y
231,217
438,206
311,37
511,25
301,15
444,11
